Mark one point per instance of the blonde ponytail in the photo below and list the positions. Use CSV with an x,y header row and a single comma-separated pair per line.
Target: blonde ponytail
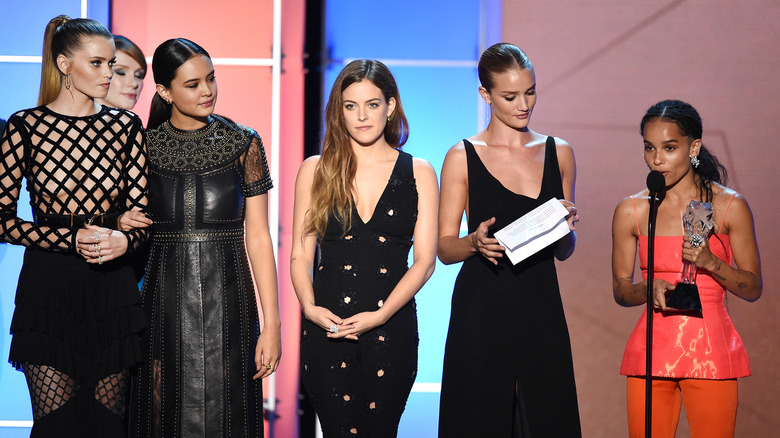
x,y
51,77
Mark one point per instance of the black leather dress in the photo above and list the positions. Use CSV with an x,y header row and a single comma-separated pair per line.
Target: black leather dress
x,y
198,294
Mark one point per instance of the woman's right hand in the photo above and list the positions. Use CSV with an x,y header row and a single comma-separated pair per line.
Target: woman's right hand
x,y
488,247
660,289
322,317
131,220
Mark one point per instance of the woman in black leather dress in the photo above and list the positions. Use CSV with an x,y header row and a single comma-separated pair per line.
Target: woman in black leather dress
x,y
204,353
365,202
77,317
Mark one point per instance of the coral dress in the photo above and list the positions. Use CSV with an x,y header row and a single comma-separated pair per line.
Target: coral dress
x,y
688,347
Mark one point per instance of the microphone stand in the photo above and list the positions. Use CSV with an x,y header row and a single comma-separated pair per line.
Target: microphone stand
x,y
655,199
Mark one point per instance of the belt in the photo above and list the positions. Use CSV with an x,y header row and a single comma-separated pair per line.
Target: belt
x,y
107,220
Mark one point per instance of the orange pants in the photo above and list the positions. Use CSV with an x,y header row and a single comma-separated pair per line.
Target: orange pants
x,y
711,407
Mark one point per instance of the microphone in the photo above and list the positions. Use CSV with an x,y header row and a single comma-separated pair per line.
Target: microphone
x,y
655,182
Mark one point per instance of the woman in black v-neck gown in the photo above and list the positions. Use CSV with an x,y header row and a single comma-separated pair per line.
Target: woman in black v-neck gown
x,y
507,363
359,336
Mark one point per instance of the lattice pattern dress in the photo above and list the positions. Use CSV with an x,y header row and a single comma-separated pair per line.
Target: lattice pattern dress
x,y
75,326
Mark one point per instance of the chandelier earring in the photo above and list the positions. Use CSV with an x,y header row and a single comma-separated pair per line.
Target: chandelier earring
x,y
67,81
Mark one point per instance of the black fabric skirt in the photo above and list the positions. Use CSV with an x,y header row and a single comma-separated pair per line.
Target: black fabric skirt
x,y
82,319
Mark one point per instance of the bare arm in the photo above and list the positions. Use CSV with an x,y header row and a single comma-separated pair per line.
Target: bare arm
x,y
564,247
744,280
302,252
261,256
624,247
454,191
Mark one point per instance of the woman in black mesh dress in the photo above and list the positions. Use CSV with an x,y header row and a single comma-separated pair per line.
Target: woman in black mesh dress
x,y
77,317
208,184
365,201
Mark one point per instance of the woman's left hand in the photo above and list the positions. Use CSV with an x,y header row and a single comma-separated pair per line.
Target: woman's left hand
x,y
358,324
97,244
268,352
571,218
702,257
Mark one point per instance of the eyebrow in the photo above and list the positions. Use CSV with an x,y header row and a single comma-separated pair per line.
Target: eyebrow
x,y
369,100
197,79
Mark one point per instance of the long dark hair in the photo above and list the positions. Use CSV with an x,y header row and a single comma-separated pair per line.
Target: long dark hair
x,y
687,119
168,57
335,172
499,58
63,36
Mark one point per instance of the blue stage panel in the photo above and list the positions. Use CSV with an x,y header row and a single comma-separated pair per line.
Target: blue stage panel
x,y
403,29
22,24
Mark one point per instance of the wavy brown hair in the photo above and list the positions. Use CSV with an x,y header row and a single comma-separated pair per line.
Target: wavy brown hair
x,y
335,173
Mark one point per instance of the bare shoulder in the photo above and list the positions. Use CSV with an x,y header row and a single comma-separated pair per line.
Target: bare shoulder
x,y
307,168
422,167
730,203
632,205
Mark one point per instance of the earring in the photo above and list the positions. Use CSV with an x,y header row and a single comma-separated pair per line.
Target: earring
x,y
67,81
694,161
388,118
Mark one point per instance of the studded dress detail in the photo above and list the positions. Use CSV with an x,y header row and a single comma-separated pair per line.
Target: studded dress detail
x,y
198,293
508,331
75,325
359,388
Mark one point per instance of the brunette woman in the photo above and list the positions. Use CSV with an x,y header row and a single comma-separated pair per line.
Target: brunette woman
x,y
205,353
696,357
366,203
129,73
507,363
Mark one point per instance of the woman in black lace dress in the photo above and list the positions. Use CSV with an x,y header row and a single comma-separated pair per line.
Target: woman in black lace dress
x,y
208,184
77,317
365,201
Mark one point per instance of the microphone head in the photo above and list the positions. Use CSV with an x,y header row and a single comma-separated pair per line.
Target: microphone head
x,y
655,181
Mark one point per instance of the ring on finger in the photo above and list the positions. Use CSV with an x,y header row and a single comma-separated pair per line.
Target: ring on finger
x,y
98,248
100,260
334,328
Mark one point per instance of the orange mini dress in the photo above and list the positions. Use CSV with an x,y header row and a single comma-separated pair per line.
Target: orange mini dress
x,y
687,347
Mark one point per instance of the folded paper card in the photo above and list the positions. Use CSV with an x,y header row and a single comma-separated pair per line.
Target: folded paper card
x,y
533,231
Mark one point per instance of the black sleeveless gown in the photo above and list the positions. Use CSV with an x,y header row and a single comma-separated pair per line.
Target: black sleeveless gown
x,y
359,388
507,329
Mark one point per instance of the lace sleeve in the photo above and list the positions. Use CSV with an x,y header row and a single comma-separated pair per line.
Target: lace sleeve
x,y
13,168
257,179
135,176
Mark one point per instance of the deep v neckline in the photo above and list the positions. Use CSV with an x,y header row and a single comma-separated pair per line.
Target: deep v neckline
x,y
487,171
384,191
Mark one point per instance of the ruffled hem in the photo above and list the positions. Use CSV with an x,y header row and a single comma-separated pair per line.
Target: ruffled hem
x,y
81,319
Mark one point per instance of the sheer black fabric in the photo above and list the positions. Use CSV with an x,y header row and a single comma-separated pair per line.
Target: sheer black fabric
x,y
79,167
76,325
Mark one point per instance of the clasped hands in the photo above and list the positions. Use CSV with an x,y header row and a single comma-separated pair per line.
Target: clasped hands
x,y
348,328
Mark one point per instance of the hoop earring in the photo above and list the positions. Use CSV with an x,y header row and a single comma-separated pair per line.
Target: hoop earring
x,y
67,81
694,161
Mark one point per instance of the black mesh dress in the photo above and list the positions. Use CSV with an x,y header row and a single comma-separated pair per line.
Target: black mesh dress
x,y
75,326
198,294
359,388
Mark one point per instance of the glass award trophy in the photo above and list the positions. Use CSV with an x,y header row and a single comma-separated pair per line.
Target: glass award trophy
x,y
697,223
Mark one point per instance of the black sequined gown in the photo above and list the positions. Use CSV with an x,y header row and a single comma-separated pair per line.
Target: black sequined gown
x,y
198,293
359,388
507,329
75,326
